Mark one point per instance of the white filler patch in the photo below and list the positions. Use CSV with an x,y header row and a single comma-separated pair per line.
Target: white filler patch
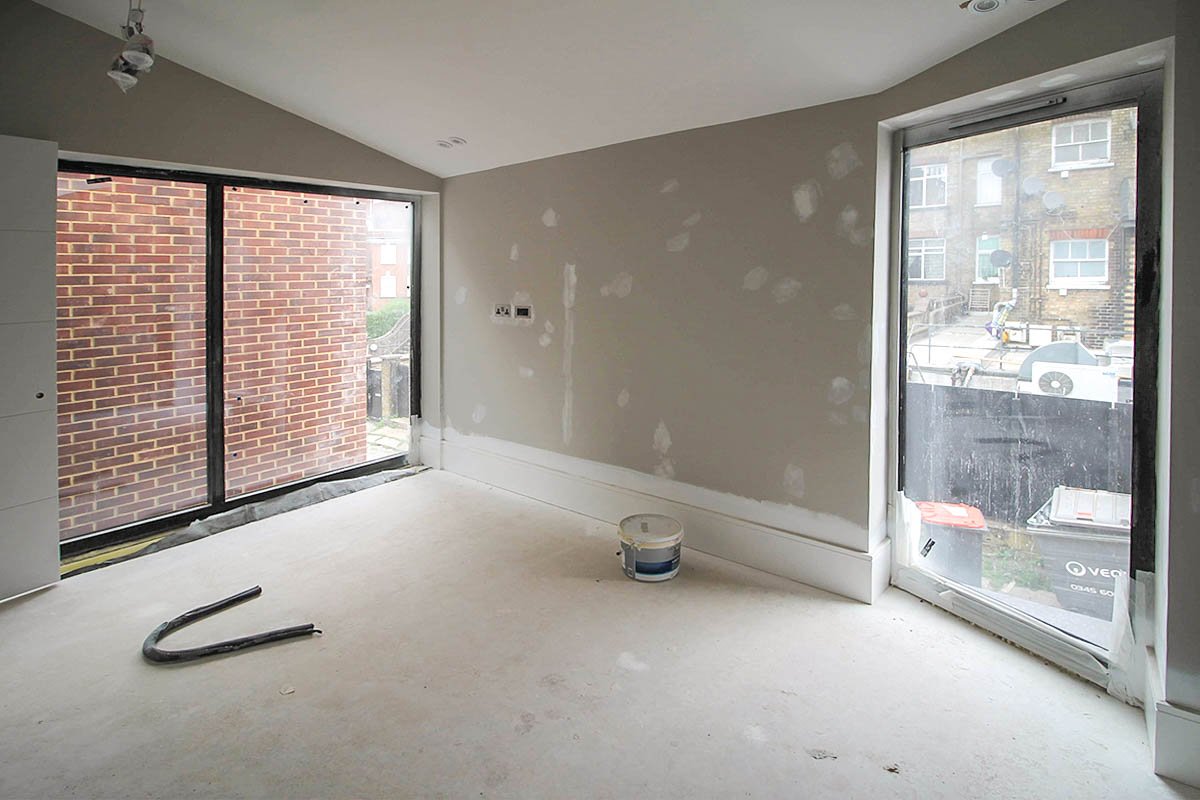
x,y
568,370
620,286
460,296
479,413
691,221
671,185
785,289
805,198
843,312
840,390
525,372
677,244
793,481
755,279
623,398
550,218
842,160
514,252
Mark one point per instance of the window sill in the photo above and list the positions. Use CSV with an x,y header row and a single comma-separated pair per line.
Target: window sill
x,y
986,283
926,280
924,208
988,205
1081,165
1075,286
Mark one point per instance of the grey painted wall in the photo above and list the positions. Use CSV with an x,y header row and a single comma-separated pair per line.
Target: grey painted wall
x,y
53,86
744,381
738,376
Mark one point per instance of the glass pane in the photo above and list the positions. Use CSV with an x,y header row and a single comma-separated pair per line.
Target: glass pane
x,y
317,347
131,350
1095,151
1018,402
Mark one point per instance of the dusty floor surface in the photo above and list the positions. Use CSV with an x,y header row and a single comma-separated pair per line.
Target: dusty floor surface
x,y
479,644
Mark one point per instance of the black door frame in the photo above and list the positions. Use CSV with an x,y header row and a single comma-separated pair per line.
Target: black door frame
x,y
1144,91
214,328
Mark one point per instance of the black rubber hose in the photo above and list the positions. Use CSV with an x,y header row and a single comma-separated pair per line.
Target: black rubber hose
x,y
152,652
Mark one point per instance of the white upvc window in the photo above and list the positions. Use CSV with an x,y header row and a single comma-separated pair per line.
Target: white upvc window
x,y
988,185
387,285
927,186
985,270
926,259
1078,263
1085,143
387,254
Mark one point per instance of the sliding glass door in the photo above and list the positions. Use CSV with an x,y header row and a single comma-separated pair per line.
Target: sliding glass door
x,y
131,349
318,350
224,338
1028,332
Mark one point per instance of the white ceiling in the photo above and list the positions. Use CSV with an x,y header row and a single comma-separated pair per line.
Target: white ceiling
x,y
526,79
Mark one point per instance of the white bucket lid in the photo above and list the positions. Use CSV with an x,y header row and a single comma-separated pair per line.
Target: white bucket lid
x,y
650,529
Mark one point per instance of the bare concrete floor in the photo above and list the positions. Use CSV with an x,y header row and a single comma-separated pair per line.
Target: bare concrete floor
x,y
481,644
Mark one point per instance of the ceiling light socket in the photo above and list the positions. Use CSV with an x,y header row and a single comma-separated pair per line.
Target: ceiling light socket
x,y
985,6
457,140
444,143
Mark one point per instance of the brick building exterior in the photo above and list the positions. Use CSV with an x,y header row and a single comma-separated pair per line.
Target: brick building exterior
x,y
1058,197
131,343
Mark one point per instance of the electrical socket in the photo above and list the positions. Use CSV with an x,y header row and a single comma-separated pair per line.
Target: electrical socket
x,y
502,311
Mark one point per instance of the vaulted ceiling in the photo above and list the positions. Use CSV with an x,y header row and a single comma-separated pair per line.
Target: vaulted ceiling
x,y
526,79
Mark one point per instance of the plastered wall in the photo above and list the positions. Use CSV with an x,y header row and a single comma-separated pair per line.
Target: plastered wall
x,y
721,295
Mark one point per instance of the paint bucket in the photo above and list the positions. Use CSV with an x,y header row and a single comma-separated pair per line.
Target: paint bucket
x,y
650,546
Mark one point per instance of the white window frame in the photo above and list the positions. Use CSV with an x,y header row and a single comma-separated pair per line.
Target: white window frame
x,y
983,169
921,248
1106,161
922,174
1057,282
979,252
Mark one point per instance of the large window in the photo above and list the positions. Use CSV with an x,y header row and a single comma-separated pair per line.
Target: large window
x,y
1025,438
986,270
1082,144
1078,262
927,259
191,379
927,186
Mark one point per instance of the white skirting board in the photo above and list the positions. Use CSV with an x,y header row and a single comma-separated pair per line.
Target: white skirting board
x,y
1174,732
858,575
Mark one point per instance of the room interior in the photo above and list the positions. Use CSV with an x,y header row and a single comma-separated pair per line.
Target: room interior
x,y
411,315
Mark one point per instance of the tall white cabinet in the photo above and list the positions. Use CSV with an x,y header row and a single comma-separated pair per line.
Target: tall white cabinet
x,y
28,446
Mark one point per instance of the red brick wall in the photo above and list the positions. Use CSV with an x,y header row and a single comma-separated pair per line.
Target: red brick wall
x,y
131,410
297,273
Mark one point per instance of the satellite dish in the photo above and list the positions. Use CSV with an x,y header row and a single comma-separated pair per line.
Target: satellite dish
x,y
1003,166
1053,201
1001,258
1056,383
1033,185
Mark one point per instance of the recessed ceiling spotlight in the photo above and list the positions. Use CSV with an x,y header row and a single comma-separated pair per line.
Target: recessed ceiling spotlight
x,y
983,6
444,143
